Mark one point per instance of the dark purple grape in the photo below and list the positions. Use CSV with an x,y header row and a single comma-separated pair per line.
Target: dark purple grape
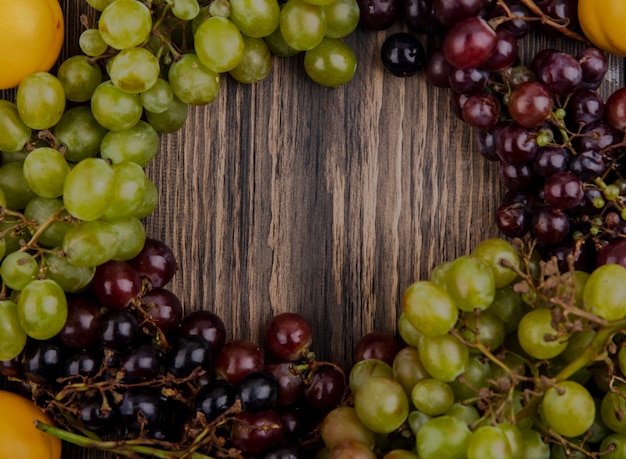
x,y
563,190
550,226
469,43
468,81
95,415
437,69
594,65
588,165
215,398
560,72
116,283
551,159
42,361
518,27
583,258
140,364
207,325
530,104
378,14
518,177
513,219
597,136
486,140
258,391
11,368
505,53
587,207
255,433
419,15
516,145
236,359
156,263
612,253
376,345
585,106
164,308
139,407
187,355
481,111
84,362
403,54
290,381
457,102
82,325
284,452
449,12
326,389
118,330
293,421
288,337
616,109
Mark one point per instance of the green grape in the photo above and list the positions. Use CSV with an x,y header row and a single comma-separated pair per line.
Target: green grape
x,y
514,436
513,362
444,357
508,306
331,63
18,269
13,132
400,454
604,293
170,120
79,78
381,404
568,408
534,446
150,200
88,188
12,337
41,210
432,397
577,343
341,425
3,248
91,43
429,308
558,451
14,185
218,44
409,334
42,309
617,441
80,133
302,24
114,108
128,190
256,62
45,170
470,283
416,420
443,437
342,18
91,243
40,100
612,406
99,4
14,234
466,413
158,98
598,430
278,46
132,236
532,331
366,369
255,18
125,24
351,450
408,369
3,199
185,9
138,144
498,253
438,275
488,442
134,70
485,328
476,375
7,157
192,82
70,278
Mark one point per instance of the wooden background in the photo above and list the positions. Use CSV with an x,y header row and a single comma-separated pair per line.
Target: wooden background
x,y
288,196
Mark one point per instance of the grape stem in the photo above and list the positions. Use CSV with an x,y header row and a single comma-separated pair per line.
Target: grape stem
x,y
126,448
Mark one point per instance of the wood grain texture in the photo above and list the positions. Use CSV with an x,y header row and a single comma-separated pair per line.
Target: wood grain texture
x,y
287,196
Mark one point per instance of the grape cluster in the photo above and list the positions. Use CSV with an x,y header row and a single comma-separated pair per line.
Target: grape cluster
x,y
127,363
505,357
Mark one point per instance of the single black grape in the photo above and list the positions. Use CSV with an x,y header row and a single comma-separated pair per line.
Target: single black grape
x,y
403,54
215,398
187,355
258,391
